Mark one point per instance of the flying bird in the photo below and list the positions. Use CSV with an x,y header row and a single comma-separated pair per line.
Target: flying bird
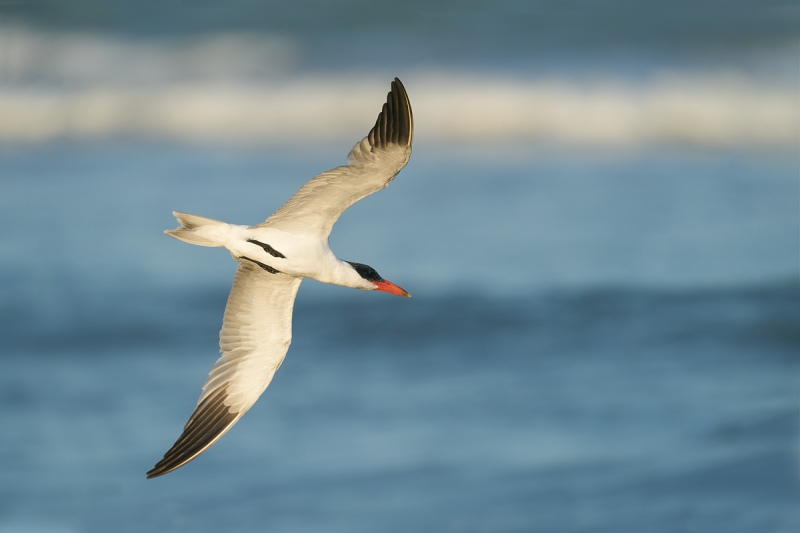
x,y
274,257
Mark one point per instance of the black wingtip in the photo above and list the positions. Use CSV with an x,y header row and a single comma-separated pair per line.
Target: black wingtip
x,y
210,420
395,122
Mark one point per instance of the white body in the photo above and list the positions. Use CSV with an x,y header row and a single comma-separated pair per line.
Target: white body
x,y
307,256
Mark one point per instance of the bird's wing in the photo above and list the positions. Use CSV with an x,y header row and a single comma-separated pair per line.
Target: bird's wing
x,y
255,337
372,165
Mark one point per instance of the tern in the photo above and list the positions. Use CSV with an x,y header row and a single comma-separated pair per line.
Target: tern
x,y
274,257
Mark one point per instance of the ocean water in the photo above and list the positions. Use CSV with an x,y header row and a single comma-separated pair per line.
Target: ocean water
x,y
623,357
583,411
599,225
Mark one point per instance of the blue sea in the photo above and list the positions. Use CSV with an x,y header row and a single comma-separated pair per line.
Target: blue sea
x,y
604,333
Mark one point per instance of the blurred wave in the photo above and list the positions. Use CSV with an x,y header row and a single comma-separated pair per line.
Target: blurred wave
x,y
246,88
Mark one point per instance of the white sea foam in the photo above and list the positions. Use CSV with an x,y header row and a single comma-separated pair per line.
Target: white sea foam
x,y
247,89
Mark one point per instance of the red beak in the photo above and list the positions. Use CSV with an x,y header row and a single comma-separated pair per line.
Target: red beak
x,y
388,286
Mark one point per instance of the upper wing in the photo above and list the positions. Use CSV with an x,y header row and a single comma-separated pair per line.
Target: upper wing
x,y
255,337
372,164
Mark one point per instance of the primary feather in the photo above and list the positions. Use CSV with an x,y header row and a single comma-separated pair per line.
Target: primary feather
x,y
372,165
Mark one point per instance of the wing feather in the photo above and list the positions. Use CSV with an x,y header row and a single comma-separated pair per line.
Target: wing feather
x,y
255,336
372,165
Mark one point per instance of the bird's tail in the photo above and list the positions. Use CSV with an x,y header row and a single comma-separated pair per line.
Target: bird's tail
x,y
199,230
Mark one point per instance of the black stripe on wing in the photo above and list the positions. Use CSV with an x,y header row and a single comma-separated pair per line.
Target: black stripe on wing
x,y
395,122
210,420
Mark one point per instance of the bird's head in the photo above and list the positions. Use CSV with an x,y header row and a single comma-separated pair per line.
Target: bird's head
x,y
375,281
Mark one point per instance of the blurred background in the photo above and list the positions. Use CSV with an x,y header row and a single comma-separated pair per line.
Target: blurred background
x,y
599,225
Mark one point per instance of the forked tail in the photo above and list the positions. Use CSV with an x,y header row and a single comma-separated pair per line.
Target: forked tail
x,y
199,230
